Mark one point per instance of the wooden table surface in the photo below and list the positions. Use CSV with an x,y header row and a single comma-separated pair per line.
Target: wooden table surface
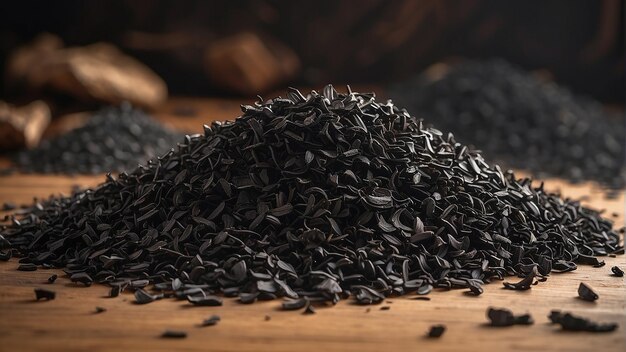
x,y
69,323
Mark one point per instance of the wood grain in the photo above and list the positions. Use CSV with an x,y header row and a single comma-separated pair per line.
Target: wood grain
x,y
69,322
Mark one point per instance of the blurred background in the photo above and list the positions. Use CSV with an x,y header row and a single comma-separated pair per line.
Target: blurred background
x,y
580,42
483,69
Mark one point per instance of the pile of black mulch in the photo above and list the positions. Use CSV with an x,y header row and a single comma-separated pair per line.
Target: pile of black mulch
x,y
520,121
323,196
114,139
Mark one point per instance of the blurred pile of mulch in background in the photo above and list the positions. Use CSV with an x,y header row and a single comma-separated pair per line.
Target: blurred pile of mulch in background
x,y
253,46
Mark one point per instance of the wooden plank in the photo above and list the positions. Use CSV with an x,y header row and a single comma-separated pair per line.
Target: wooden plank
x,y
69,323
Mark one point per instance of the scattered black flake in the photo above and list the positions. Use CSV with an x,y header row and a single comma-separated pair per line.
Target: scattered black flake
x,y
82,278
586,293
27,267
202,300
295,304
113,139
143,297
424,289
572,322
139,283
524,319
562,266
174,334
5,254
475,288
8,206
268,318
41,293
115,291
310,198
212,320
366,295
504,317
421,298
617,271
525,284
100,310
500,317
52,278
309,309
385,308
247,298
590,260
521,121
436,331
555,316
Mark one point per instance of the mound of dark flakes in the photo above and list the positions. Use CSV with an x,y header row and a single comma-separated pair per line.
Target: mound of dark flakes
x,y
113,139
313,198
522,122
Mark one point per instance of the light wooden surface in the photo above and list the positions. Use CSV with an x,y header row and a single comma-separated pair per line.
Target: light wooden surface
x,y
69,323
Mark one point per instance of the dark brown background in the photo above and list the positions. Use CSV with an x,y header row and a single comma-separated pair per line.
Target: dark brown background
x,y
366,41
